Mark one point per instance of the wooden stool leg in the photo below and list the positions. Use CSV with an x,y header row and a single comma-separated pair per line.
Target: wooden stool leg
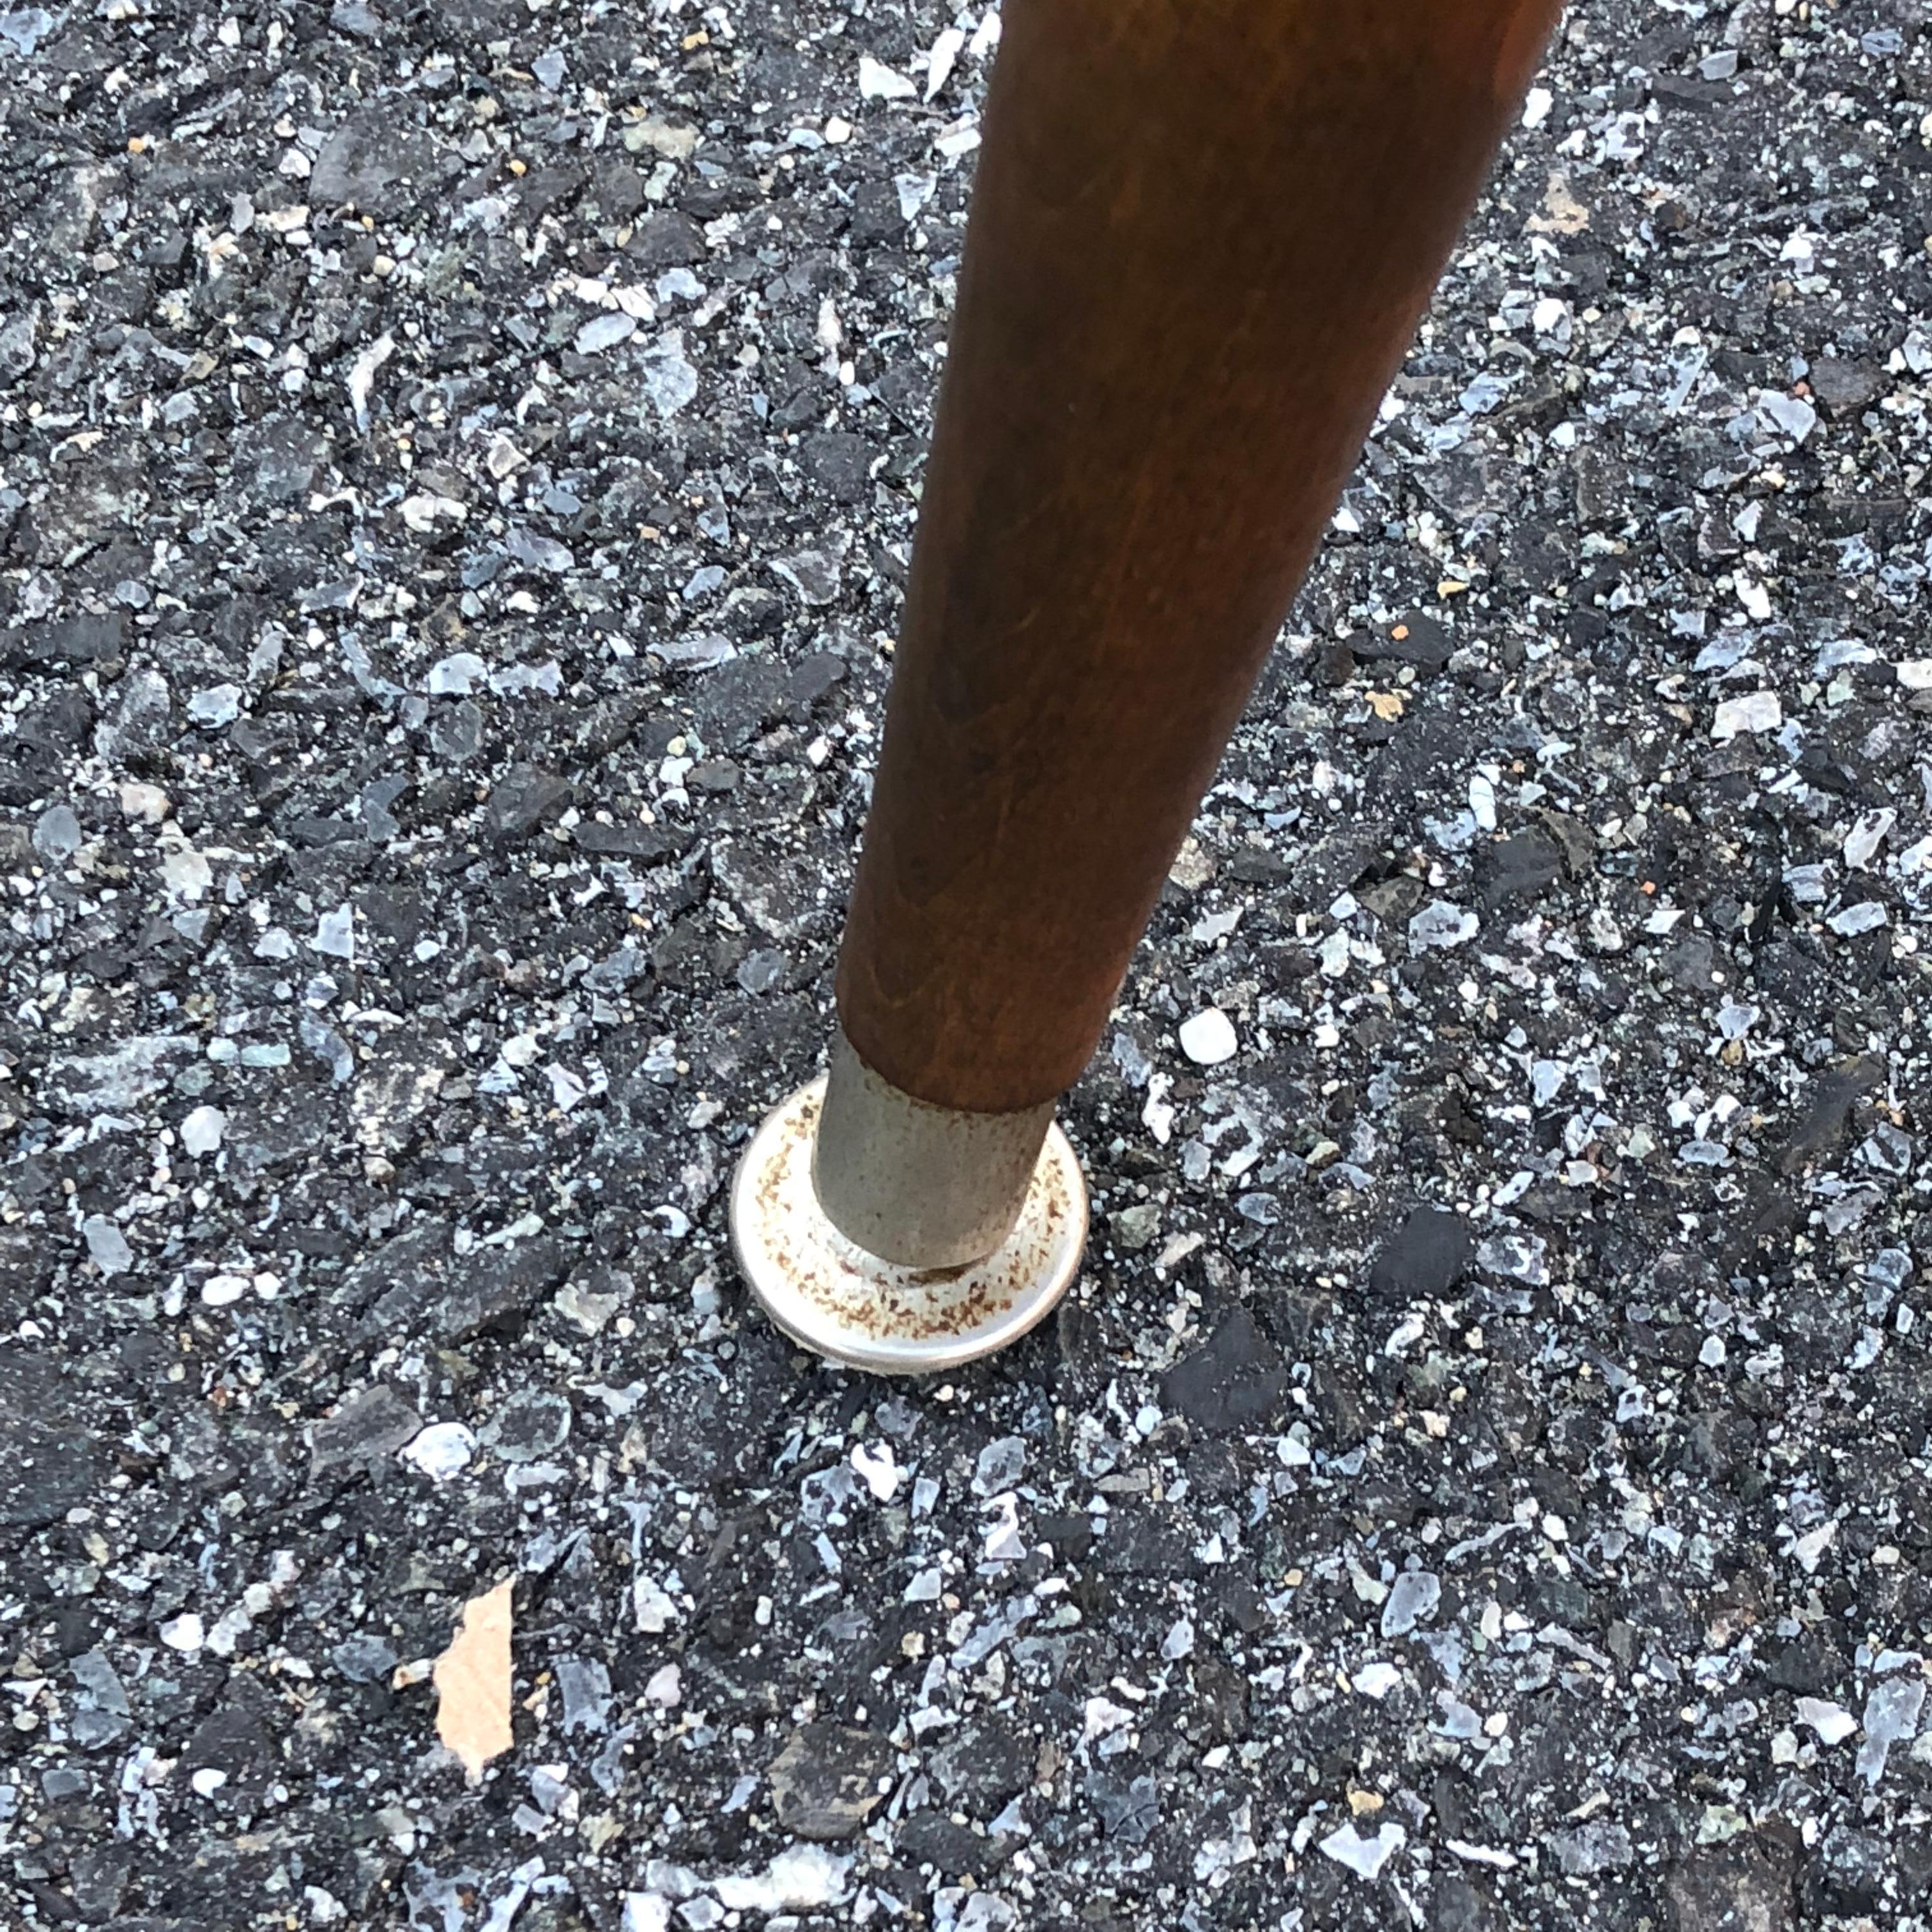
x,y
1202,234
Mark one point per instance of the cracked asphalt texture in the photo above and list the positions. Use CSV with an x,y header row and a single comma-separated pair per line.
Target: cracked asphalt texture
x,y
456,470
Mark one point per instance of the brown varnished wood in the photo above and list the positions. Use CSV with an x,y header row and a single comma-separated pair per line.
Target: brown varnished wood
x,y
1202,235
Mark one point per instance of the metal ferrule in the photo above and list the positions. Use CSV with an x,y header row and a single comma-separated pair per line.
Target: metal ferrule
x,y
922,1186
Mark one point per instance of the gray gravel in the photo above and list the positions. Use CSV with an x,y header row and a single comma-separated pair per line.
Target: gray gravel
x,y
457,465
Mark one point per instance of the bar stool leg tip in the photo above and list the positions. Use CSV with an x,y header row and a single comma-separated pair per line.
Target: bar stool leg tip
x,y
833,1297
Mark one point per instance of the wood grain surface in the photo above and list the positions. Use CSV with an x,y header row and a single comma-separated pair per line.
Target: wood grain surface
x,y
1202,235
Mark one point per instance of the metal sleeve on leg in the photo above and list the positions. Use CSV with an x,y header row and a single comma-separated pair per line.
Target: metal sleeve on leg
x,y
919,1185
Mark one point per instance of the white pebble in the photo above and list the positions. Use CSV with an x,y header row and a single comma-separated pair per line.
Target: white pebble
x,y
1441,924
201,1132
654,1610
1209,1038
1866,917
1832,1722
1862,841
106,1246
1891,1716
605,332
220,704
1377,1680
1365,1857
1789,415
1483,802
186,874
1003,1542
804,1878
1756,711
566,1088
440,1450
184,1633
1413,1599
877,82
335,933
144,802
877,1470
456,676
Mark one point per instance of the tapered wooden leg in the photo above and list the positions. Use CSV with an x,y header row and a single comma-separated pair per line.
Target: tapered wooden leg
x,y
1202,234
